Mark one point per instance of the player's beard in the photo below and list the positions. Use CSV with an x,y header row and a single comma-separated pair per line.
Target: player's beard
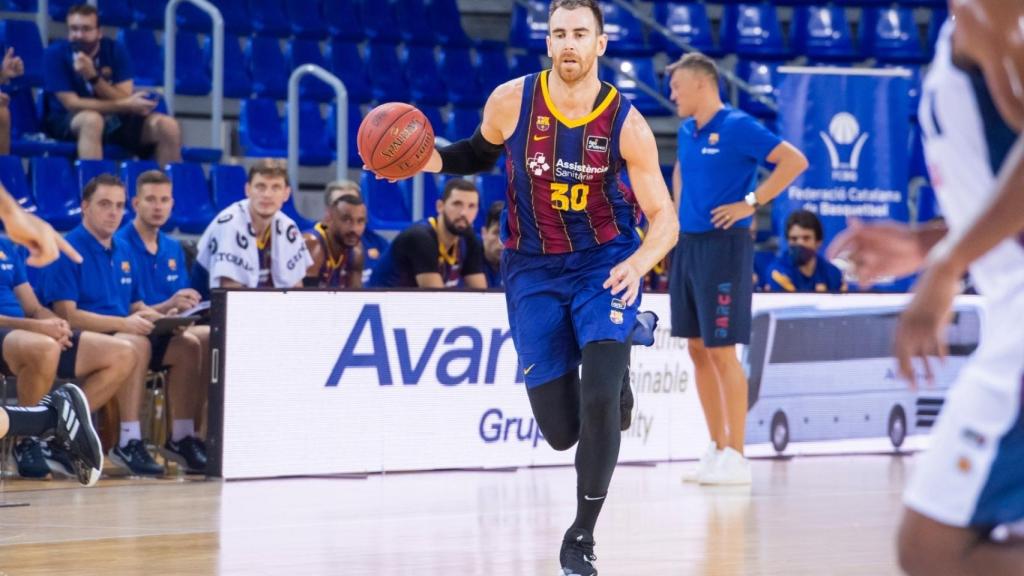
x,y
576,74
454,230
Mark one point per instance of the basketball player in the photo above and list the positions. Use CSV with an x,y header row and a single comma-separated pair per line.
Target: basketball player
x,y
336,245
965,502
572,265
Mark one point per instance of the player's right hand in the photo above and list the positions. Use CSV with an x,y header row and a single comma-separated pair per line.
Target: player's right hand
x,y
877,250
185,299
378,176
138,324
56,328
139,103
624,281
43,242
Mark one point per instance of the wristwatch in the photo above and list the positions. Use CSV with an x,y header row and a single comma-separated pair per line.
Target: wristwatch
x,y
751,200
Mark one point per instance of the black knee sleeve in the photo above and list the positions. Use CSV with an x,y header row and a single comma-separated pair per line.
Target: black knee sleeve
x,y
556,406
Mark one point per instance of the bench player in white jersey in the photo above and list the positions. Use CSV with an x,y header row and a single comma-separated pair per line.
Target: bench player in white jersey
x,y
965,502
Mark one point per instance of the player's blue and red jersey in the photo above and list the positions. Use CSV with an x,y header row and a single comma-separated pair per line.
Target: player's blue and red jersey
x,y
563,191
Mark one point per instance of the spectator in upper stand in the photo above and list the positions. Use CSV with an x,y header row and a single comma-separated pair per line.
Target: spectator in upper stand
x,y
252,243
440,252
802,268
90,95
335,245
490,236
12,67
374,245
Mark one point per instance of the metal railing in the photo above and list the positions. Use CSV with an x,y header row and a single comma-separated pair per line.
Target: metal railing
x,y
341,127
170,41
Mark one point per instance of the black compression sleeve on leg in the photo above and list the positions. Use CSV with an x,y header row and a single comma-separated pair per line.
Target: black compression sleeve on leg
x,y
470,156
556,407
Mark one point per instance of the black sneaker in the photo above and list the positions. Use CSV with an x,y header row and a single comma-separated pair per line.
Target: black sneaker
x,y
626,401
75,434
136,459
189,453
577,554
58,460
31,461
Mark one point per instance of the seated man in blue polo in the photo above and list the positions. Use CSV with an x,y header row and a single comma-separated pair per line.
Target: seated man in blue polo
x,y
103,295
36,346
802,268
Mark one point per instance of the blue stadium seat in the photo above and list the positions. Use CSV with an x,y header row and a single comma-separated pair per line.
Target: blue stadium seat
x,y
355,117
149,13
446,20
752,30
86,170
346,62
433,114
307,19
314,148
388,204
424,79
27,137
269,18
761,77
193,209
12,176
379,22
290,210
19,5
227,182
460,77
492,188
56,193
462,122
192,70
491,65
890,35
625,32
260,130
524,64
386,87
234,12
642,69
112,12
689,21
529,28
267,68
147,56
414,23
237,83
23,36
344,20
57,9
301,51
822,33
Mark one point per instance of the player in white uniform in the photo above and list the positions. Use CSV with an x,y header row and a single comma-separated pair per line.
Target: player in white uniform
x,y
966,498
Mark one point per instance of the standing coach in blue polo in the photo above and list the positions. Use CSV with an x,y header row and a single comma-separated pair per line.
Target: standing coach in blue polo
x,y
102,294
716,193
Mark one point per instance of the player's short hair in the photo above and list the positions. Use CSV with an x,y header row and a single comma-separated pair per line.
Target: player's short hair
x,y
151,177
83,9
345,185
457,184
347,199
100,180
805,219
269,168
593,5
697,62
494,213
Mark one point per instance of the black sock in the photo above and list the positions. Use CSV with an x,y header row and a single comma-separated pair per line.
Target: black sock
x,y
30,421
598,449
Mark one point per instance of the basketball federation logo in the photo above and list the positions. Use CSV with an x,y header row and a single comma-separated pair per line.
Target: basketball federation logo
x,y
543,123
844,135
538,165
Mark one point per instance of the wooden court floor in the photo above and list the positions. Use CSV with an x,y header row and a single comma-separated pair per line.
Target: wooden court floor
x,y
813,515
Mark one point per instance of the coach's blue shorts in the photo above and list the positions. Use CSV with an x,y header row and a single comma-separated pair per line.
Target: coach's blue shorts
x,y
711,287
557,304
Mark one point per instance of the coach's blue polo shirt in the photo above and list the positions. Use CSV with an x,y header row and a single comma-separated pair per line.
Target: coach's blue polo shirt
x,y
719,165
785,276
12,274
159,275
104,283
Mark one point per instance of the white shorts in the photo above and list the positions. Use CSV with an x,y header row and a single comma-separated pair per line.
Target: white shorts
x,y
972,475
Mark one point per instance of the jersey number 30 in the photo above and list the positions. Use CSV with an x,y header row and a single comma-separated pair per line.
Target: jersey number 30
x,y
563,198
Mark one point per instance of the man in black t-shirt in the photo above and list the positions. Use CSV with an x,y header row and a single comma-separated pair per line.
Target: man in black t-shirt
x,y
441,251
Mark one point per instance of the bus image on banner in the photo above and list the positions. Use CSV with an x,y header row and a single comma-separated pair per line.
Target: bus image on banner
x,y
829,374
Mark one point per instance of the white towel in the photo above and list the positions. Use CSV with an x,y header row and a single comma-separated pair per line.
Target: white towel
x,y
228,249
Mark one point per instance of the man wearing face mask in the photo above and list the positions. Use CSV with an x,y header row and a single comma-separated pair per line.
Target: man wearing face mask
x,y
440,252
801,268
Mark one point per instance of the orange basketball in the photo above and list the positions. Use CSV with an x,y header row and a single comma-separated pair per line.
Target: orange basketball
x,y
395,140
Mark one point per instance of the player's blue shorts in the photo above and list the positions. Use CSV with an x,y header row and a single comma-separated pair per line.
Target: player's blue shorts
x,y
557,304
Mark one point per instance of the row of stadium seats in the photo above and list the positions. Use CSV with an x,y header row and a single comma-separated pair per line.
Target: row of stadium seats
x,y
752,30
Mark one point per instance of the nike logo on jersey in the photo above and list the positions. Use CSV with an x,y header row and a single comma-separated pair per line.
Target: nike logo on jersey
x,y
537,138
528,368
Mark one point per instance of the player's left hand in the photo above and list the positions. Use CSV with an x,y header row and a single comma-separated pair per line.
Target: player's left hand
x,y
624,279
43,242
921,331
726,215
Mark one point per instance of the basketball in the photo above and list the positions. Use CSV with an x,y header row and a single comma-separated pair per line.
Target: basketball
x,y
395,140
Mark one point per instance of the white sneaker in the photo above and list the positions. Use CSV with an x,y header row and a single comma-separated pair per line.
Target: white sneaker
x,y
704,465
730,468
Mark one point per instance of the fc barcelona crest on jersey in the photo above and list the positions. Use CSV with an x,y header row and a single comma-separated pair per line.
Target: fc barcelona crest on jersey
x,y
713,138
172,264
3,255
543,123
126,267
